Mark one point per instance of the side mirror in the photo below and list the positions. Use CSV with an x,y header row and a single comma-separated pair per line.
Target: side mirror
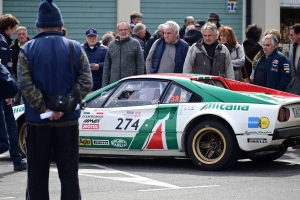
x,y
82,104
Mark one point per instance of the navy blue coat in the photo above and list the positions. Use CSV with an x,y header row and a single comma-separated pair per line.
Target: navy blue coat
x,y
278,70
96,55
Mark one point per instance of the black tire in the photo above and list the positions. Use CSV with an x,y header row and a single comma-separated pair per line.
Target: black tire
x,y
269,157
22,136
212,146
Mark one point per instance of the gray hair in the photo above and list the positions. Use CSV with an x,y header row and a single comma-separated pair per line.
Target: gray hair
x,y
273,39
124,23
160,27
139,27
21,28
107,38
187,18
173,25
189,27
210,26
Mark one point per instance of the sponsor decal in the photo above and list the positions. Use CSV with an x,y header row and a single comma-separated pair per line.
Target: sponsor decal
x,y
3,48
258,132
186,109
257,140
19,109
92,116
225,106
90,126
132,114
91,121
86,113
101,142
276,62
256,122
296,112
84,142
99,113
286,69
118,143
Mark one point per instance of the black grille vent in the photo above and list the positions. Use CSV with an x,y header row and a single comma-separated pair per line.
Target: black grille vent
x,y
195,98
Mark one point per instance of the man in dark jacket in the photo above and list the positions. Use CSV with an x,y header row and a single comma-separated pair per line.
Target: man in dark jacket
x,y
8,88
194,35
156,35
168,53
138,33
22,38
44,66
8,24
189,20
214,18
272,69
96,54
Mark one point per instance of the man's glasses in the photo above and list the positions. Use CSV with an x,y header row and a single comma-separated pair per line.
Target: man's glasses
x,y
122,30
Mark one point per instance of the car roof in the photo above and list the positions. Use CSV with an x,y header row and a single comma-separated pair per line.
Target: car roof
x,y
174,76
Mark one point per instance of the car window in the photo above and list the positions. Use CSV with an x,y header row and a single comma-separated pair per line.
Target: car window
x,y
137,93
99,100
177,94
213,82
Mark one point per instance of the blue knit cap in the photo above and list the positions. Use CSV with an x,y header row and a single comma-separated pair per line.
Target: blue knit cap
x,y
49,15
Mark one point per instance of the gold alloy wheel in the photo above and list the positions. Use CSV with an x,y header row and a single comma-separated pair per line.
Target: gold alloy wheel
x,y
22,138
209,145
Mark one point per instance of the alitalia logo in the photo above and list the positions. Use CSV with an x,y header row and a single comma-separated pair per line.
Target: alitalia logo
x,y
225,106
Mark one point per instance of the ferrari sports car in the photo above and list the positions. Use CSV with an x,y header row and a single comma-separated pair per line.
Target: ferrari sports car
x,y
211,120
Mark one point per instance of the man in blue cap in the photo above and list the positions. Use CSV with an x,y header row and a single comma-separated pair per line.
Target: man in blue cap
x,y
44,66
96,54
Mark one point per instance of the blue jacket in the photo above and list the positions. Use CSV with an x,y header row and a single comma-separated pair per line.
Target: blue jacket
x,y
96,55
5,42
48,56
278,70
181,51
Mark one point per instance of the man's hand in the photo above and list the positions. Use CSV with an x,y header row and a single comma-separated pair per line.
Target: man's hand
x,y
8,101
95,67
55,115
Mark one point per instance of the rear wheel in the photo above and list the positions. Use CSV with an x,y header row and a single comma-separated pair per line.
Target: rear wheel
x,y
22,136
212,146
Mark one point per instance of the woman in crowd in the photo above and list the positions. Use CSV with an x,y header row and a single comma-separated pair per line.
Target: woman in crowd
x,y
228,38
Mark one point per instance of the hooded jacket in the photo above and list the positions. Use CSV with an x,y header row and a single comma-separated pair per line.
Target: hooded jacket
x,y
197,61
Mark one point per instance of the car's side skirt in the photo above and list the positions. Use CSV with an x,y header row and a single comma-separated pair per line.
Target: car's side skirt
x,y
154,153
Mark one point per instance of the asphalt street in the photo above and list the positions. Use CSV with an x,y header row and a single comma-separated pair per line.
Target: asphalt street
x,y
119,178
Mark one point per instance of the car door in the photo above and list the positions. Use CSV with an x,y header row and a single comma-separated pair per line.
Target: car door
x,y
164,134
129,115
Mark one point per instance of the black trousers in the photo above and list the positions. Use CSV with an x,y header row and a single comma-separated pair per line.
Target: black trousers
x,y
40,141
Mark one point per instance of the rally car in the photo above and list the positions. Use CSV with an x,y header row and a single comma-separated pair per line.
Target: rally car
x,y
210,119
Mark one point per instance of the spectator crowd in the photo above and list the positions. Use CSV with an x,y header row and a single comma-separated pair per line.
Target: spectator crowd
x,y
200,47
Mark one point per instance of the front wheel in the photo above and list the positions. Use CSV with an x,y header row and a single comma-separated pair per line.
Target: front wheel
x,y
212,146
22,136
